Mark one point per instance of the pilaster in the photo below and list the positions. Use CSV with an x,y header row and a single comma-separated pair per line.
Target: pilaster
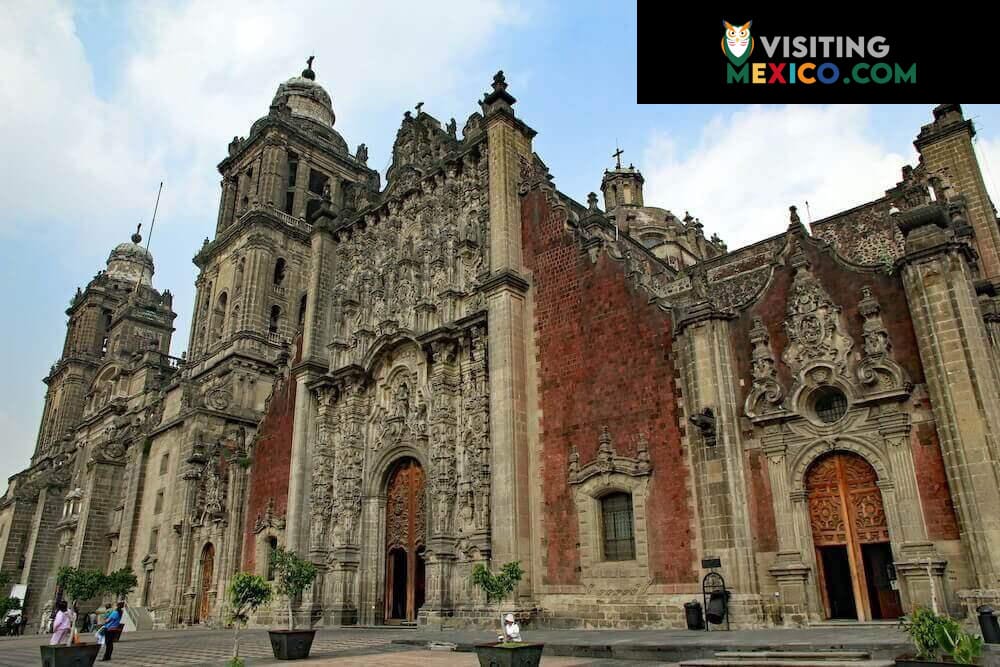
x,y
509,333
704,339
961,378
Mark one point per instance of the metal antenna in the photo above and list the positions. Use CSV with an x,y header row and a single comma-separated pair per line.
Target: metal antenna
x,y
156,207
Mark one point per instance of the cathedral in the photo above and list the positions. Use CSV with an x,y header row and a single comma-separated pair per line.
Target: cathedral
x,y
463,365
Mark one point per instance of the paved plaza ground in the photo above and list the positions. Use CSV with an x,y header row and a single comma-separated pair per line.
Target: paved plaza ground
x,y
402,647
339,647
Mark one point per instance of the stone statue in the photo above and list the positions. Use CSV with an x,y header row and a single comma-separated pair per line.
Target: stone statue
x,y
362,154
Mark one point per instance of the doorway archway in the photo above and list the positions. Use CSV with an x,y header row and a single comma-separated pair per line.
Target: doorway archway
x,y
404,542
851,538
204,606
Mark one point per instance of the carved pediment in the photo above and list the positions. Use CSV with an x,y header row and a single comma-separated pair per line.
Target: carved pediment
x,y
813,323
608,462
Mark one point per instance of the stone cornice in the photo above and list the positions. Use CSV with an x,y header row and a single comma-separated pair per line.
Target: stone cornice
x,y
504,279
703,311
932,133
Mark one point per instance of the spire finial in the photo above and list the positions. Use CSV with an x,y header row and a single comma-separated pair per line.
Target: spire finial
x,y
617,155
137,238
308,72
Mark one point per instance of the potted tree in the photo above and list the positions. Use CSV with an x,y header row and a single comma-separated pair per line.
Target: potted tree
x,y
497,588
247,592
938,640
291,576
78,585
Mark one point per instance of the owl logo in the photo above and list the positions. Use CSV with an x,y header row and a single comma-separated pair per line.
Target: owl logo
x,y
737,43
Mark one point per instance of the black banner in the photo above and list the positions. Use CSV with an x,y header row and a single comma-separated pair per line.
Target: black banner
x,y
739,54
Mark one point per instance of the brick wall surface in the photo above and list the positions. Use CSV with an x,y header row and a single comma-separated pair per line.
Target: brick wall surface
x,y
604,359
939,513
765,532
272,458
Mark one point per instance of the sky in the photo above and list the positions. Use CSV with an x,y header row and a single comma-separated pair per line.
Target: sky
x,y
102,100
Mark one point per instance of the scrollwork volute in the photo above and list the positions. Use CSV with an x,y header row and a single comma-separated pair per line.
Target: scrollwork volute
x,y
877,371
767,394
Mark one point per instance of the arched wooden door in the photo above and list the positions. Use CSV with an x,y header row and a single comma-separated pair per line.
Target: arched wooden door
x,y
853,554
207,570
404,542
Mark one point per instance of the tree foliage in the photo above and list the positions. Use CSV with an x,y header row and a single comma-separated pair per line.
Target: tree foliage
x,y
933,635
291,574
121,582
7,605
499,586
81,584
247,592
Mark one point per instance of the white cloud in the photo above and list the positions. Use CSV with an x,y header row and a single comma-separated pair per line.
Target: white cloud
x,y
67,153
988,154
196,74
750,165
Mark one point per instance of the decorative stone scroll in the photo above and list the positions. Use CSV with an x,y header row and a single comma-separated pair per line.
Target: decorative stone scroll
x,y
608,462
877,370
766,395
815,332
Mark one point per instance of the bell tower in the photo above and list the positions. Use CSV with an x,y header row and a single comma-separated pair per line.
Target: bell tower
x,y
622,186
117,314
251,290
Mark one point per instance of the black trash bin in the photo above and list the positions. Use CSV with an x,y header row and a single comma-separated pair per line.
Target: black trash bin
x,y
988,624
692,612
718,606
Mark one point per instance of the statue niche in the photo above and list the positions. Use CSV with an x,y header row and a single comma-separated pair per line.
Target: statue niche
x,y
400,414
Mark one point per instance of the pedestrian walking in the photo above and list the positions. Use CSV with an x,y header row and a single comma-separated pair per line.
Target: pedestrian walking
x,y
62,625
113,626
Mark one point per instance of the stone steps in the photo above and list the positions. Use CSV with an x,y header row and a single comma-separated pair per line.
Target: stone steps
x,y
789,659
785,662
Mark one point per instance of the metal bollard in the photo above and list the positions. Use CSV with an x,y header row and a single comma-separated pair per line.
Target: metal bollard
x,y
988,625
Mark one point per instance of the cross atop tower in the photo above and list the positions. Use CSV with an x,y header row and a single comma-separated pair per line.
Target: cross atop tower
x,y
309,62
617,155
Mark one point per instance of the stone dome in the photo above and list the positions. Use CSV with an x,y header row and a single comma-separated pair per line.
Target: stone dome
x,y
130,261
306,98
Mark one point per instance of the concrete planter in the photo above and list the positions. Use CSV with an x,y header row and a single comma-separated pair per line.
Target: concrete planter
x,y
509,655
76,655
291,644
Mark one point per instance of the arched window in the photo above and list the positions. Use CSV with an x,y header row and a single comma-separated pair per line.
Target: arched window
x,y
219,326
275,320
617,527
279,271
302,311
272,546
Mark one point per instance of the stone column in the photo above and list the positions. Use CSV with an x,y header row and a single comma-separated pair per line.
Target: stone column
x,y
298,515
134,473
227,203
348,464
509,333
961,378
704,341
442,538
789,569
272,184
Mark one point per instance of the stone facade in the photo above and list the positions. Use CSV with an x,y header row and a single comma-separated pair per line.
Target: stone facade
x,y
466,366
